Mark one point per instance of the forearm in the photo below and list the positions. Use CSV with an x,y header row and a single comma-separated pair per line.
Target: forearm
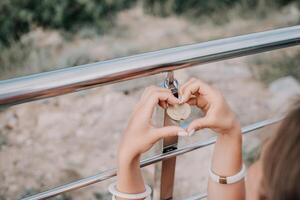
x,y
129,176
227,161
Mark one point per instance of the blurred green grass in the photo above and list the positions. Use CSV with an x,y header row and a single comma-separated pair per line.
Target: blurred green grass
x,y
197,8
20,16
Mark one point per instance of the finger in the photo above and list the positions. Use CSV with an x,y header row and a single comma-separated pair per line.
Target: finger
x,y
203,103
204,88
166,96
154,99
163,104
199,102
189,90
149,90
181,89
167,132
192,101
147,94
198,124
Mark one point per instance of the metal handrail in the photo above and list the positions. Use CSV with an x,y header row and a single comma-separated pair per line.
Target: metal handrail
x,y
112,172
54,83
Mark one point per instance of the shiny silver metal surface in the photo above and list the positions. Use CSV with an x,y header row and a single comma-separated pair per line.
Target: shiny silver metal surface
x,y
112,172
53,83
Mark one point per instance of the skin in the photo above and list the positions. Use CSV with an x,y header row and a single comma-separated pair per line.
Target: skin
x,y
141,135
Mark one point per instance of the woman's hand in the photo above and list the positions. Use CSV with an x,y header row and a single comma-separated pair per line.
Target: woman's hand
x,y
140,134
227,156
218,115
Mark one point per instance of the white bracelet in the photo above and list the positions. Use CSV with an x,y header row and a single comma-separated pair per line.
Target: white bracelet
x,y
113,190
228,179
114,198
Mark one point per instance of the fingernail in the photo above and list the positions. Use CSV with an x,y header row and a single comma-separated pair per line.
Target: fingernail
x,y
182,133
192,132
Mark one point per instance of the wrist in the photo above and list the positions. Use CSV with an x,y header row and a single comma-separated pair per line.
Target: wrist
x,y
233,130
234,134
127,158
227,157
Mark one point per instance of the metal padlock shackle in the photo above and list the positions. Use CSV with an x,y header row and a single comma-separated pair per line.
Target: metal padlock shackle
x,y
172,84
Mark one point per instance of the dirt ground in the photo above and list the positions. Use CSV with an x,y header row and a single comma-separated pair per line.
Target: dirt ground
x,y
50,142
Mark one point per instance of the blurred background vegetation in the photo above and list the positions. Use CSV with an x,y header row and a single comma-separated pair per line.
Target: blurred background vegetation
x,y
197,8
87,17
20,16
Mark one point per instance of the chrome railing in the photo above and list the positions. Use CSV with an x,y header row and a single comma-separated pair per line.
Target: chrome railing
x,y
49,84
54,83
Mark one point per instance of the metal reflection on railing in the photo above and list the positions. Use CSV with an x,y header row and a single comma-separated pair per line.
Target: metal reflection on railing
x,y
54,83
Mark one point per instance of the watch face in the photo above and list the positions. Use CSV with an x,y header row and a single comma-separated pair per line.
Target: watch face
x,y
179,111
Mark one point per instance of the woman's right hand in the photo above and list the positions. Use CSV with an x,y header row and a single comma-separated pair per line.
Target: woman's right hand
x,y
218,115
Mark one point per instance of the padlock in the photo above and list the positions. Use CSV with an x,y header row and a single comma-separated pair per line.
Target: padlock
x,y
172,85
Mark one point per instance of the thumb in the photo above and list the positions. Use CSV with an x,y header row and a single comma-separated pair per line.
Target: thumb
x,y
168,131
198,124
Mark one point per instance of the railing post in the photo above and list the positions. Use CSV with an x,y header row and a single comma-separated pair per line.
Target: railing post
x,y
169,144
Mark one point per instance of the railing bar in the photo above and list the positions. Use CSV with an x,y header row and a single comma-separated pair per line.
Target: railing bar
x,y
72,79
157,158
260,124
